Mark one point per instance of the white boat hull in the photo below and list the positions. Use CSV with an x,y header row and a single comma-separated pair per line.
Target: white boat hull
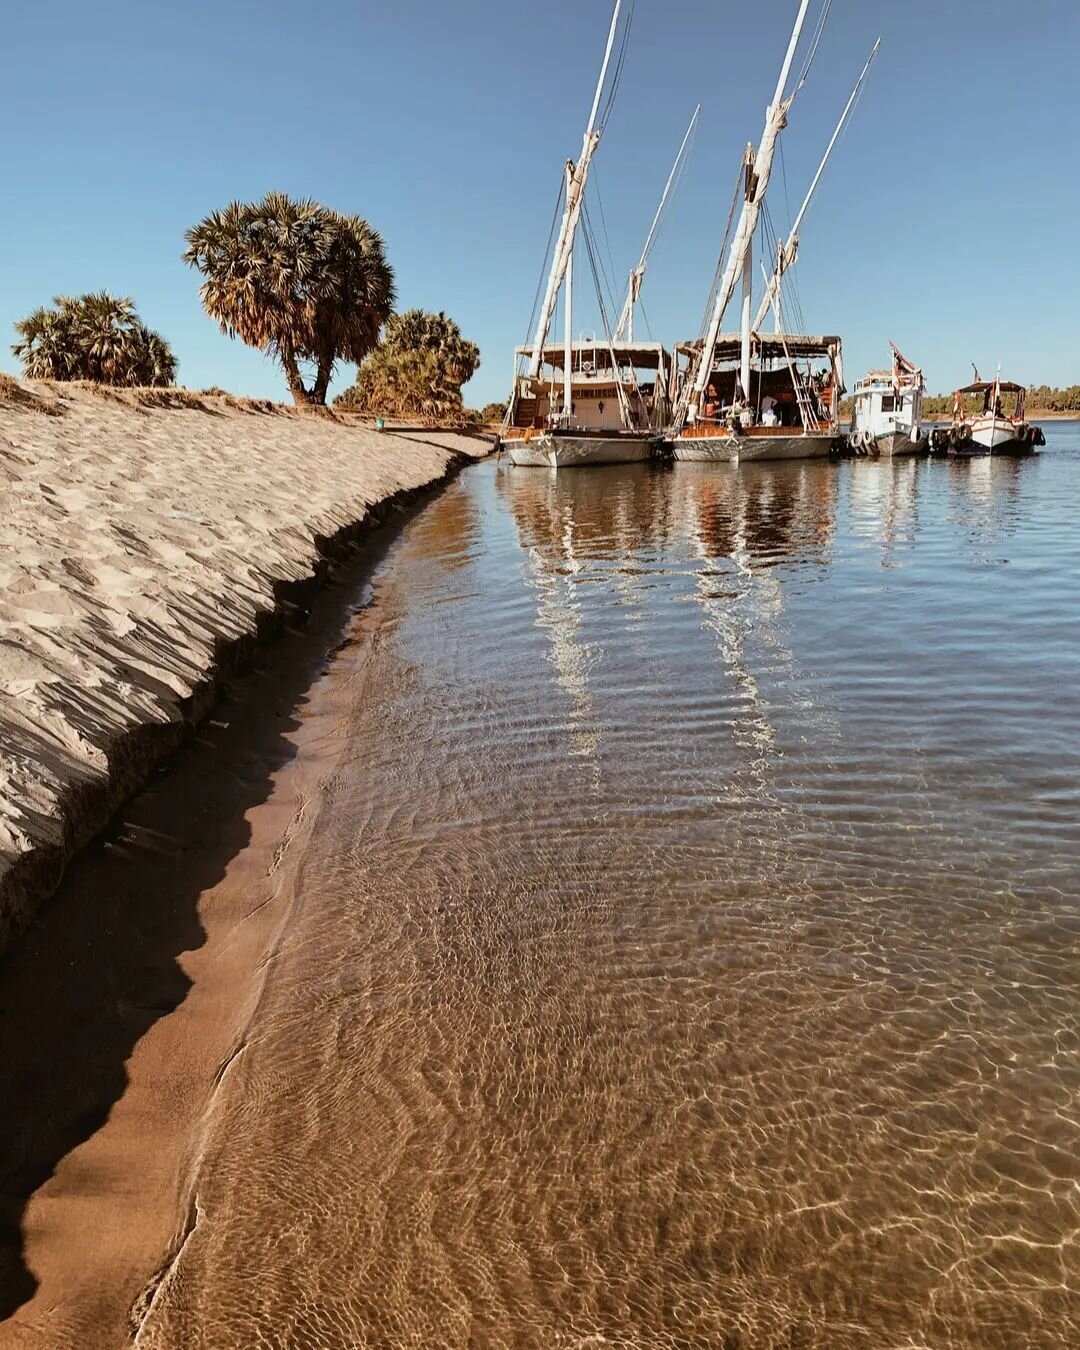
x,y
816,445
544,451
750,449
898,443
706,449
995,433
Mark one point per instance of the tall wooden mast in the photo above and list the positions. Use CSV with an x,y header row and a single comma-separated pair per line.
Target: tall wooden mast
x,y
788,251
757,185
575,192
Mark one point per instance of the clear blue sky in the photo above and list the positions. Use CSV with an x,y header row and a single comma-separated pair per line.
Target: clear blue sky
x,y
948,220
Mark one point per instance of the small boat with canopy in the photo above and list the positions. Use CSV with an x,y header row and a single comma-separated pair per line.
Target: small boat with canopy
x,y
991,421
617,404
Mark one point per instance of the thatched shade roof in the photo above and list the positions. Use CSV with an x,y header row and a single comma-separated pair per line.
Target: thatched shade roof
x,y
769,346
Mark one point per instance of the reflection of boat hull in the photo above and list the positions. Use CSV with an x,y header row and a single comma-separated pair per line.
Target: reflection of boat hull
x,y
752,446
565,450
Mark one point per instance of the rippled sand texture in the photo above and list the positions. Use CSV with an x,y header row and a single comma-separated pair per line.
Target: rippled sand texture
x,y
685,954
141,532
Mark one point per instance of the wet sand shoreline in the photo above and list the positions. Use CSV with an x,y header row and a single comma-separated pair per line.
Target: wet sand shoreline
x,y
120,1018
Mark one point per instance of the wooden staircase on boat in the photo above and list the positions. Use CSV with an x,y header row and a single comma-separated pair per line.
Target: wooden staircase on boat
x,y
525,412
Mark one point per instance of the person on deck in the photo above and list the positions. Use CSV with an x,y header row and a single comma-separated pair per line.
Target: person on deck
x,y
769,416
712,402
825,397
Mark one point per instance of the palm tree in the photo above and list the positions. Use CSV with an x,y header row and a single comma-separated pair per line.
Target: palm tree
x,y
96,337
417,370
46,345
414,330
152,360
107,330
297,280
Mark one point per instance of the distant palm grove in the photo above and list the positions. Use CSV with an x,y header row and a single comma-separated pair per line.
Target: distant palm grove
x,y
307,285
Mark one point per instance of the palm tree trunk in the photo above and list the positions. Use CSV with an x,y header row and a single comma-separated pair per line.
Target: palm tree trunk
x,y
322,378
300,394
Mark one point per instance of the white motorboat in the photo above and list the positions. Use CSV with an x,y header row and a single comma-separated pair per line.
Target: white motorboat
x,y
886,418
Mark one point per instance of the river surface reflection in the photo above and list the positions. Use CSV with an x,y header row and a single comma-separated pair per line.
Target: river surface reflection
x,y
686,951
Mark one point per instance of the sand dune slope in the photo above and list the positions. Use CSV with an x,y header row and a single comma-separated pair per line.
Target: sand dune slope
x,y
140,535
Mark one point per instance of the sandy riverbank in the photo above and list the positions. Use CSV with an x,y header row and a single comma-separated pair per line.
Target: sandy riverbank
x,y
128,1000
146,540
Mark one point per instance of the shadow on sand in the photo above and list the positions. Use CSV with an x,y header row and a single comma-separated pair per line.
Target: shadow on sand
x,y
98,966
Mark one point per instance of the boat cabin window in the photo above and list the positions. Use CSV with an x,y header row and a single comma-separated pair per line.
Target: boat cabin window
x,y
888,403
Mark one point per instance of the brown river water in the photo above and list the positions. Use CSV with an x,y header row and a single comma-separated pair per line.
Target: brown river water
x,y
685,951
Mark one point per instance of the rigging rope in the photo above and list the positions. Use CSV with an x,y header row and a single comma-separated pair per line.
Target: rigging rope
x,y
675,184
607,282
740,180
624,404
814,45
692,369
616,79
609,276
783,172
547,255
789,297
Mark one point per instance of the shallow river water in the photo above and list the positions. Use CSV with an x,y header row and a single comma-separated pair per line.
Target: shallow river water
x,y
685,953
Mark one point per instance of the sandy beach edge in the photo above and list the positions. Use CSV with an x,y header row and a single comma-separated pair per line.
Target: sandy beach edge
x,y
123,1020
149,541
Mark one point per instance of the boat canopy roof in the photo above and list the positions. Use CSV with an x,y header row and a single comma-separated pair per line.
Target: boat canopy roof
x,y
981,386
771,346
646,355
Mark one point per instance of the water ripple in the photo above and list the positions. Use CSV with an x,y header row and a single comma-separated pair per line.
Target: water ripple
x,y
686,953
